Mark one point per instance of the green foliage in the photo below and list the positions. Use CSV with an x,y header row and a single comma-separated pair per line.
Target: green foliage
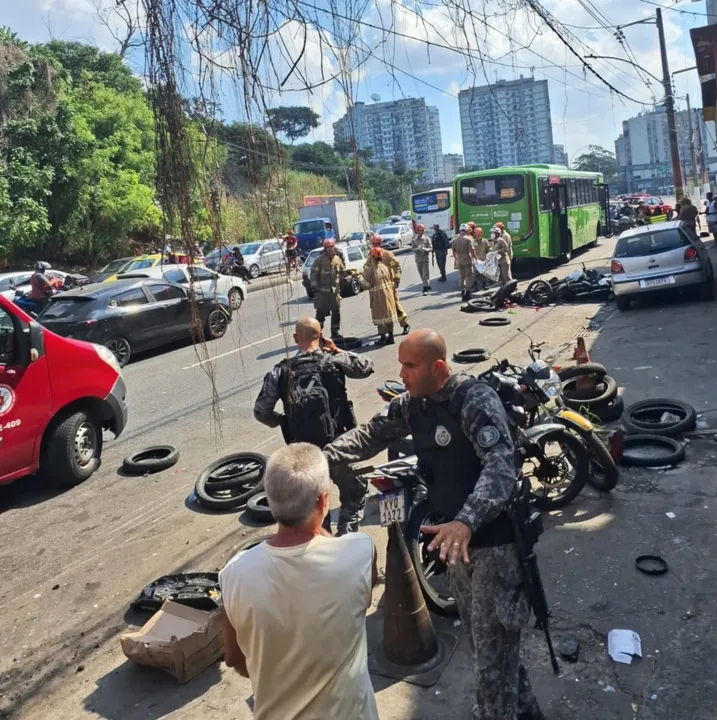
x,y
294,122
597,159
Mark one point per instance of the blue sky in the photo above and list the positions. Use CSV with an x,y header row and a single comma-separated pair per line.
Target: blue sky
x,y
516,42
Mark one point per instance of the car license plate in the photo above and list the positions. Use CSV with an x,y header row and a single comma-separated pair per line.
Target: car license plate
x,y
669,280
392,507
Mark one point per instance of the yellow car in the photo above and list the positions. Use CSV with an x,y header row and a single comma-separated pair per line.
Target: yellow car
x,y
143,262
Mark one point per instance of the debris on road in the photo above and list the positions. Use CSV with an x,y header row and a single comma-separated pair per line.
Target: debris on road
x,y
623,645
199,590
569,650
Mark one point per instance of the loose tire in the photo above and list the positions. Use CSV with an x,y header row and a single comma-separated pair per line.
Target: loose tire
x,y
235,298
217,324
257,508
643,417
600,399
254,271
150,460
471,355
121,349
428,565
495,322
479,305
672,451
354,286
347,342
611,412
540,293
549,469
603,471
229,482
74,447
574,371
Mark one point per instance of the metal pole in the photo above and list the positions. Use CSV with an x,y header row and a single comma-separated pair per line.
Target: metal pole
x,y
701,153
670,108
692,143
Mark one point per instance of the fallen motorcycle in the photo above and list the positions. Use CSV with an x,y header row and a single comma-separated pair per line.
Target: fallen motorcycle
x,y
582,285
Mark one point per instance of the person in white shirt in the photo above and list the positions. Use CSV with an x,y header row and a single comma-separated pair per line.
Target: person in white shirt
x,y
294,607
711,215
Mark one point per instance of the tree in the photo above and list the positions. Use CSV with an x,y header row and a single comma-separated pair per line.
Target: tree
x,y
294,122
597,159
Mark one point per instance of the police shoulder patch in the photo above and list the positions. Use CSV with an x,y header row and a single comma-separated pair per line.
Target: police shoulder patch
x,y
443,437
488,436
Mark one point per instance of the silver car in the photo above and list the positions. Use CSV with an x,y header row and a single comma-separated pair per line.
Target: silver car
x,y
666,256
396,236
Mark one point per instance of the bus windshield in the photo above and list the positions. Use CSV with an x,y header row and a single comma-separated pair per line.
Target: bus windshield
x,y
492,190
431,202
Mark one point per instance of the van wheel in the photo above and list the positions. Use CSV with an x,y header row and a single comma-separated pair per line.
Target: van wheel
x,y
73,449
121,349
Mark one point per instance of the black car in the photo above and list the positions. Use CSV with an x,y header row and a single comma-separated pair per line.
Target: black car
x,y
132,315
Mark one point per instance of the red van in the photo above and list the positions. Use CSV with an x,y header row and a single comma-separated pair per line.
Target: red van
x,y
57,395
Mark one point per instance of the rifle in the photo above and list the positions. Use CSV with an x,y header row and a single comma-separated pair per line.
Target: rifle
x,y
528,526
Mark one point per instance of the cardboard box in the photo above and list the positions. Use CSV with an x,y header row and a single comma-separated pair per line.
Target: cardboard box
x,y
177,639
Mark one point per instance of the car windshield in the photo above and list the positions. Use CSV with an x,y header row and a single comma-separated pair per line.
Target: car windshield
x,y
394,230
353,236
650,243
309,226
115,265
250,248
311,258
140,264
64,306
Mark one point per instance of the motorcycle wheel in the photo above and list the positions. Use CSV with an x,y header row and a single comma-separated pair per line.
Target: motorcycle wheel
x,y
556,478
603,471
431,571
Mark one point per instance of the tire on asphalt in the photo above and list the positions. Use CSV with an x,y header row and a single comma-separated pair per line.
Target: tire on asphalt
x,y
74,447
540,293
257,508
494,322
471,355
603,471
347,342
154,458
672,451
600,399
644,417
230,481
479,305
611,412
120,347
573,371
217,324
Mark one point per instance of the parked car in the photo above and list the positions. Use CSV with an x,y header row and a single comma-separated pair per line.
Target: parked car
x,y
116,266
9,282
263,257
144,262
354,237
201,280
396,236
70,279
656,258
133,315
215,259
52,416
354,256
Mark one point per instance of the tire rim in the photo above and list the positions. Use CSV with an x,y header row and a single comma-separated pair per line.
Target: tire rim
x,y
355,286
85,445
235,299
119,347
429,567
217,323
552,477
234,478
254,272
541,294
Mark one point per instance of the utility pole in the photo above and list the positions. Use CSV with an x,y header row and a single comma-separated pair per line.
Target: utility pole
x,y
670,108
701,153
692,143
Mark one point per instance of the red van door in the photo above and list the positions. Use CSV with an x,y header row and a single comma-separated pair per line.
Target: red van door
x,y
25,402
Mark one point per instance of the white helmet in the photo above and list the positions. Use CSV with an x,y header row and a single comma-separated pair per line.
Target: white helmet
x,y
495,230
463,228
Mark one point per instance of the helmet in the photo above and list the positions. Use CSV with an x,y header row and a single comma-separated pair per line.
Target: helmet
x,y
463,228
329,243
41,266
376,240
500,226
420,228
494,230
471,224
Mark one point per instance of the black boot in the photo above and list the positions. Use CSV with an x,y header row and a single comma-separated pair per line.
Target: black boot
x,y
381,339
389,339
443,278
406,329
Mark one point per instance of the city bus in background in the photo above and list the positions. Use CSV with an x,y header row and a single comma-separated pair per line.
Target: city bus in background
x,y
434,206
549,211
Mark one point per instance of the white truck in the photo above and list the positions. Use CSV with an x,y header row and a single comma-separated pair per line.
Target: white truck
x,y
347,216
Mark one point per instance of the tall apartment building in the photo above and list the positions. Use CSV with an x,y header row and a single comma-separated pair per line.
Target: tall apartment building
x,y
561,156
507,123
403,131
452,165
643,151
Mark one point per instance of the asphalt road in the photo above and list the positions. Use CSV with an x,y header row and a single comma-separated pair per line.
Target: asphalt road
x,y
72,561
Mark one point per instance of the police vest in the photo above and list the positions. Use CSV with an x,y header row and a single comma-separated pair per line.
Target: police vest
x,y
449,464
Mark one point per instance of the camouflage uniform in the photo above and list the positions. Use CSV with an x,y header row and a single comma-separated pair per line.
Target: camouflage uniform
x,y
487,591
395,267
352,489
326,283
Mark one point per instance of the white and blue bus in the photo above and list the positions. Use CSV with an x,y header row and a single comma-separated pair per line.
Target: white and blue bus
x,y
434,206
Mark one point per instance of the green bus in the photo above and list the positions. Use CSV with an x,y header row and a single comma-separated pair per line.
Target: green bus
x,y
548,210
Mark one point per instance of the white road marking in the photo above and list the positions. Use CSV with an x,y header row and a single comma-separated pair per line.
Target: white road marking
x,y
231,352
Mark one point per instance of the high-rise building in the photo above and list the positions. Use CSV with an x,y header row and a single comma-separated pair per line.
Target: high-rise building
x,y
561,156
404,132
507,123
643,151
452,165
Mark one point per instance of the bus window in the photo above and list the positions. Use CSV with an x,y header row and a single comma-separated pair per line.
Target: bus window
x,y
572,192
431,202
492,190
543,193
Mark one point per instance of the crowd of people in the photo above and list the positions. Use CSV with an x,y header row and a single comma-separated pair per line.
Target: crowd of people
x,y
294,607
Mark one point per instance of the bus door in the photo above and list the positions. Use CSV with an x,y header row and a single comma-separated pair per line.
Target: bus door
x,y
604,199
559,206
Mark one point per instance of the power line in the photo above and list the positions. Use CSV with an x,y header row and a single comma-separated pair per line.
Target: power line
x,y
678,10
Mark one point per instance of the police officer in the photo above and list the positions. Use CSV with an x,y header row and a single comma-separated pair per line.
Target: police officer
x,y
440,243
319,361
326,284
466,454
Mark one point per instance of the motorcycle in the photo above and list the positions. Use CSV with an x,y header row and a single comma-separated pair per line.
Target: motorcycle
x,y
230,266
586,284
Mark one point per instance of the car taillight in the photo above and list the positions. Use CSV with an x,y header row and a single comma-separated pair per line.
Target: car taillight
x,y
690,254
384,484
616,266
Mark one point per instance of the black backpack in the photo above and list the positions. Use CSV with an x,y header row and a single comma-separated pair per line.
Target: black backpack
x,y
315,401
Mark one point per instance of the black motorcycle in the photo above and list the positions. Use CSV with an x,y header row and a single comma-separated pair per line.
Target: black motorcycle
x,y
581,285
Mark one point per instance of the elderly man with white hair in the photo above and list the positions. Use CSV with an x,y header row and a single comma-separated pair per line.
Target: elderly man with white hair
x,y
294,612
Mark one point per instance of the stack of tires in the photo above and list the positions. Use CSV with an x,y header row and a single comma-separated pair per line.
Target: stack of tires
x,y
602,404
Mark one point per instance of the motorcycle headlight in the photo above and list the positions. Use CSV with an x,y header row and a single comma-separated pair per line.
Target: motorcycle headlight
x,y
550,386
